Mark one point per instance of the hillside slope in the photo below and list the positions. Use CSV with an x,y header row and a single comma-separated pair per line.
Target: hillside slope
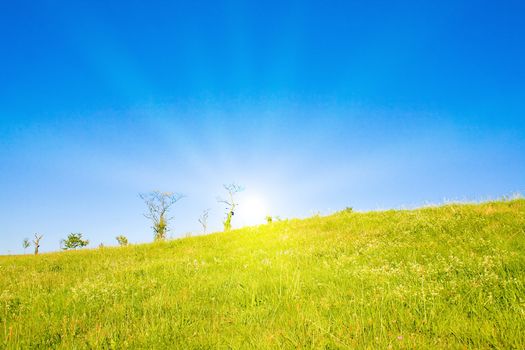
x,y
440,277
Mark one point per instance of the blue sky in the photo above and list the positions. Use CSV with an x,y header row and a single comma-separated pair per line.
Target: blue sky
x,y
312,106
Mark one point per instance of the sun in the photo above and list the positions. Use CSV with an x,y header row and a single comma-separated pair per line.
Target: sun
x,y
252,210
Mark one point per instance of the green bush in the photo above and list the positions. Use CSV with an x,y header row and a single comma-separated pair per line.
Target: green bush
x,y
122,240
74,241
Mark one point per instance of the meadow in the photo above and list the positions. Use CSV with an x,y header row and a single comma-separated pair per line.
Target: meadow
x,y
447,277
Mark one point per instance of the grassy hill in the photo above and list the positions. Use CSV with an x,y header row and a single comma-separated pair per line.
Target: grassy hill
x,y
440,277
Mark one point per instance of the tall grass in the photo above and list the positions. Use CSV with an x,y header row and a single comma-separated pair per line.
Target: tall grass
x,y
440,277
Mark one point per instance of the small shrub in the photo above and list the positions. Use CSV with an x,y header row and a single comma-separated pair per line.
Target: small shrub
x,y
122,240
26,244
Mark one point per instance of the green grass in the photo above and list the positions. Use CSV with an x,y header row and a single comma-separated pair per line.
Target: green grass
x,y
439,277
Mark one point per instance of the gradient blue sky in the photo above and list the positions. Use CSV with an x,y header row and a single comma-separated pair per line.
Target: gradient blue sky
x,y
312,106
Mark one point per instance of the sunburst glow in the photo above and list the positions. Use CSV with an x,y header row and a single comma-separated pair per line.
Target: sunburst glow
x,y
252,210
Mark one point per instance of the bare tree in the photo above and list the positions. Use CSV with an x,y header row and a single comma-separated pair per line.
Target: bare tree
x,y
230,202
36,242
158,204
203,220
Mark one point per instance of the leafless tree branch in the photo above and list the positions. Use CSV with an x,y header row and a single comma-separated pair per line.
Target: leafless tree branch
x,y
158,204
